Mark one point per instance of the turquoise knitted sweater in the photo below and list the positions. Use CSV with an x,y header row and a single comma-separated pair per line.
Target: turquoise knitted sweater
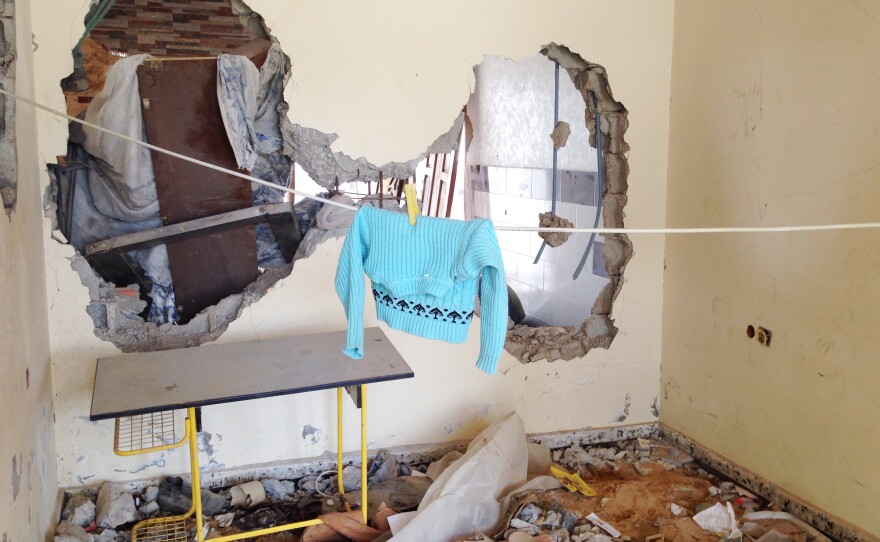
x,y
425,279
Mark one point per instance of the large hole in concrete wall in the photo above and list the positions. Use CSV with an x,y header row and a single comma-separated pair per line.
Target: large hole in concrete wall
x,y
135,303
561,295
8,162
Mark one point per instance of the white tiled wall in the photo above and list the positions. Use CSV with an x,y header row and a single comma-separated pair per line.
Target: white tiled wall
x,y
516,196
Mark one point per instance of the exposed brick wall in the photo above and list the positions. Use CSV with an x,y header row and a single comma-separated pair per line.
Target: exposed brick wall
x,y
172,27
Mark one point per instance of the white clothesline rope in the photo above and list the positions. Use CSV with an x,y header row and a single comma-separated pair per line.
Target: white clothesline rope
x,y
664,231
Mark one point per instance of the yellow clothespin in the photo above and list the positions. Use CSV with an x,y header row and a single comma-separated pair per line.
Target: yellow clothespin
x,y
412,206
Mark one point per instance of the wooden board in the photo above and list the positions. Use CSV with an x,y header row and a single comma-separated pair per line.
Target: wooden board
x,y
140,383
182,114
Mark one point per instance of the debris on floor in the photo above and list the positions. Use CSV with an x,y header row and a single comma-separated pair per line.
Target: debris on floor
x,y
644,490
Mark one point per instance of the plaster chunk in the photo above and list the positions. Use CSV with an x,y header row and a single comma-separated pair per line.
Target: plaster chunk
x,y
115,506
68,532
560,134
554,239
79,510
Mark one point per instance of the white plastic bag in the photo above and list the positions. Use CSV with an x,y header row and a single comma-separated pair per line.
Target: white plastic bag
x,y
465,497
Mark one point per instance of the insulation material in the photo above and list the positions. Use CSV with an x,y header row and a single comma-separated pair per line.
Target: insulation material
x,y
512,113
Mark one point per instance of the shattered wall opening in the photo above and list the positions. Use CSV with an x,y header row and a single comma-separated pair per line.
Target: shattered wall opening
x,y
134,303
129,306
561,293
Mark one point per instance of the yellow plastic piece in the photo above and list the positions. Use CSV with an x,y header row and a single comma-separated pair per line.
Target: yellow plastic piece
x,y
144,433
339,481
572,482
412,205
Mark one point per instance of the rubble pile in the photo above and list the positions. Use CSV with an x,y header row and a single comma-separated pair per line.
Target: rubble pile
x,y
632,491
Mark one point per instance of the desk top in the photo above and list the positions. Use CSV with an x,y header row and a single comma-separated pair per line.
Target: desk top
x,y
146,382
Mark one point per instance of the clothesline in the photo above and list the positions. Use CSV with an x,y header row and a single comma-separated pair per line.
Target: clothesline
x,y
663,231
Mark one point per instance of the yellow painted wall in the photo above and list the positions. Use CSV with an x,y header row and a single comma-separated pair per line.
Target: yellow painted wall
x,y
775,121
389,77
28,482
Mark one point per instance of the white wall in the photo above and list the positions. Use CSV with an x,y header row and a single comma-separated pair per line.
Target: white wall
x,y
28,482
359,70
775,109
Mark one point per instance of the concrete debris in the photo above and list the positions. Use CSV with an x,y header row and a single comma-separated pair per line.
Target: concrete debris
x,y
151,493
640,494
79,510
225,520
68,532
553,343
351,477
383,467
175,498
560,134
547,220
279,490
115,506
149,509
108,535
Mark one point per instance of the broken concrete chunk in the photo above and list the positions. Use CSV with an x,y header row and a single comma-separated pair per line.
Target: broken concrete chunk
x,y
68,532
383,467
547,220
225,520
79,510
278,490
115,506
560,134
107,535
351,478
560,534
530,513
174,498
149,509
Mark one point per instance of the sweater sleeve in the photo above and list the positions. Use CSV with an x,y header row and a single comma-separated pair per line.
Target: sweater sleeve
x,y
484,254
350,286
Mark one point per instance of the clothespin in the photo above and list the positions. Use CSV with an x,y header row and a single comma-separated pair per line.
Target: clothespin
x,y
412,206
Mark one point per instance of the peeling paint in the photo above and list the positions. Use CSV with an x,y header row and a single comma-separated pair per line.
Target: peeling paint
x,y
655,408
311,433
205,442
627,403
16,475
452,427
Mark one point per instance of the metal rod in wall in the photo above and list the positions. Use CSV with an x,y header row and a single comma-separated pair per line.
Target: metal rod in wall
x,y
555,152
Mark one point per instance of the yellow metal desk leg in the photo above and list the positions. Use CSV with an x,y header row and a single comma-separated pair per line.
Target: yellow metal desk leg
x,y
364,451
194,470
339,481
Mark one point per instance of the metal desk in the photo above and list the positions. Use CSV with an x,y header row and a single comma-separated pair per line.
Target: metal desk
x,y
140,391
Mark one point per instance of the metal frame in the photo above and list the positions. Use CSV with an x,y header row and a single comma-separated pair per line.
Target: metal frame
x,y
177,523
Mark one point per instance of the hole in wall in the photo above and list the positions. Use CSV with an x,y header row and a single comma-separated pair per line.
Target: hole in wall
x,y
137,308
561,296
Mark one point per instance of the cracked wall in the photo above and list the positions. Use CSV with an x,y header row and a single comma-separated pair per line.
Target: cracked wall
x,y
387,103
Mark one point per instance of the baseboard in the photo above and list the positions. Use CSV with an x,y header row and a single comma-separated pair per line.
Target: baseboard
x,y
785,500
